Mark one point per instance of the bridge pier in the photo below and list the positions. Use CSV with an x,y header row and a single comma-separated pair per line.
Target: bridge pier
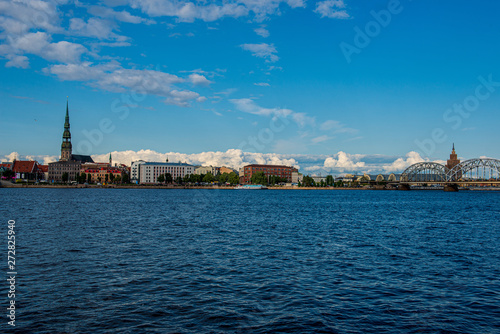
x,y
452,187
404,186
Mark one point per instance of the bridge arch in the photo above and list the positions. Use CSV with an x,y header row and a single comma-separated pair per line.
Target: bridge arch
x,y
475,169
425,172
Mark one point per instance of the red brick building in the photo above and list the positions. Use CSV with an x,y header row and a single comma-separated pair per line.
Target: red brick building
x,y
268,170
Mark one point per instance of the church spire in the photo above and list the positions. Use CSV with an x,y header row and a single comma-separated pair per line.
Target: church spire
x,y
453,150
110,161
66,147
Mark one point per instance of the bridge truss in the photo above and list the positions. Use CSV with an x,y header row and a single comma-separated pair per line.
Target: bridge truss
x,y
473,170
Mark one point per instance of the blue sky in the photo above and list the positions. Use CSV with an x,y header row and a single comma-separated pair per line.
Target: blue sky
x,y
238,81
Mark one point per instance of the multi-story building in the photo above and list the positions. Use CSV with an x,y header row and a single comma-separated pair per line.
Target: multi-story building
x,y
69,163
453,161
205,170
134,170
148,172
99,174
268,170
228,170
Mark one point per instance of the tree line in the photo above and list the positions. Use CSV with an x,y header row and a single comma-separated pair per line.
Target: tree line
x,y
231,178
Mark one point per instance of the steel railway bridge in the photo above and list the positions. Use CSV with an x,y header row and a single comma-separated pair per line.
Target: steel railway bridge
x,y
473,172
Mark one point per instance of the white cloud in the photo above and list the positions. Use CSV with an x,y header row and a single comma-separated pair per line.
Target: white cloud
x,y
343,161
334,9
263,50
321,139
262,84
198,79
336,127
401,164
17,61
189,11
39,44
231,158
122,16
249,106
94,27
262,31
113,77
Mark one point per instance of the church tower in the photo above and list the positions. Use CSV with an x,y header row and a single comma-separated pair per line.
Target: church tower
x,y
66,147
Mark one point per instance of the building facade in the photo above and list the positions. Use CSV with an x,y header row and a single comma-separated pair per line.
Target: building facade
x,y
268,170
453,161
68,163
148,172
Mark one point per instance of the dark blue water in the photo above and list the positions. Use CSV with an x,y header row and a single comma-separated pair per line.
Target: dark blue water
x,y
206,261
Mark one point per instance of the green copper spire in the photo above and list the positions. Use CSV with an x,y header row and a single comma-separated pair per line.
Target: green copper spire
x,y
66,146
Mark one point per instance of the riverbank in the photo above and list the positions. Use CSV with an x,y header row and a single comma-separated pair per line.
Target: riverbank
x,y
116,186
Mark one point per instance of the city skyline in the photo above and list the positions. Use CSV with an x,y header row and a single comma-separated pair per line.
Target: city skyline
x,y
331,94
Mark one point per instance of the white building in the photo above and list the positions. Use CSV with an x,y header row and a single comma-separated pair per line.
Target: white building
x,y
205,170
149,171
134,170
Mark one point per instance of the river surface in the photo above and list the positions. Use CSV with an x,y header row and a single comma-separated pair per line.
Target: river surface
x,y
227,261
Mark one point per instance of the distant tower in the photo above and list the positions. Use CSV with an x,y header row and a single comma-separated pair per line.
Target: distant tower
x,y
110,161
66,147
453,161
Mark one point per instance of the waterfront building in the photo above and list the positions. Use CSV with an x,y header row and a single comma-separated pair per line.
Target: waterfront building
x,y
268,170
27,170
134,170
228,170
205,170
297,177
68,163
148,172
99,174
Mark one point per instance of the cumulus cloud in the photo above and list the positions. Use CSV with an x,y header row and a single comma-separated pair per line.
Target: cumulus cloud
x,y
122,16
401,164
233,158
263,50
189,11
344,161
334,9
95,27
197,79
40,44
112,77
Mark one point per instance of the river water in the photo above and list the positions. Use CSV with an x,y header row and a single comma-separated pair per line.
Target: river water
x,y
226,261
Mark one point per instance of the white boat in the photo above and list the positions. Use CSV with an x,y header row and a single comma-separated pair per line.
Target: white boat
x,y
251,187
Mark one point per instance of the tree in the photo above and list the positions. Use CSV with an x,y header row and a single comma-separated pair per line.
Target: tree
x,y
89,178
208,178
161,178
329,180
308,181
65,177
106,177
168,178
82,178
111,177
187,178
178,180
8,174
233,178
125,178
258,178
223,178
